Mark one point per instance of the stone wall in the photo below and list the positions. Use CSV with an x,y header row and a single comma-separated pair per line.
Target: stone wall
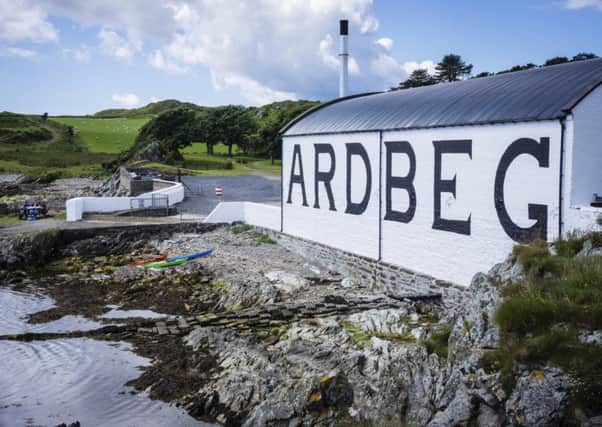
x,y
391,279
133,186
27,250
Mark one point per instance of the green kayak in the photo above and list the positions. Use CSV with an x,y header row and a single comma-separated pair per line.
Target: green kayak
x,y
163,264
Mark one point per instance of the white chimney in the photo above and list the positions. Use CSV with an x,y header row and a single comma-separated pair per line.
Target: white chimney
x,y
344,55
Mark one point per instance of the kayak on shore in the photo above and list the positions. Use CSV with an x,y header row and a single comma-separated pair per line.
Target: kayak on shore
x,y
177,260
148,261
192,256
162,261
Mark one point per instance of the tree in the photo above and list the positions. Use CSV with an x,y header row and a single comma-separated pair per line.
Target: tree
x,y
171,131
419,77
452,68
236,124
581,56
518,68
208,128
556,60
45,116
483,74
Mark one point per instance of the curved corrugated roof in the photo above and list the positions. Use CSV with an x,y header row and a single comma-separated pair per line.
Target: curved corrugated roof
x,y
537,94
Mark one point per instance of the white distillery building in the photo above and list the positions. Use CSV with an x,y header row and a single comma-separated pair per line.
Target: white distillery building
x,y
443,180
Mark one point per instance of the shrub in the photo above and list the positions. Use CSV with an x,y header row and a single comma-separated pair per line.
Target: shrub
x,y
540,315
264,238
437,342
240,228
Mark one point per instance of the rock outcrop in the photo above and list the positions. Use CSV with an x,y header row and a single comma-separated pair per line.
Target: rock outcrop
x,y
375,365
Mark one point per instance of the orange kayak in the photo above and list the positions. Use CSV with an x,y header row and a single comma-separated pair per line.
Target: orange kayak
x,y
147,261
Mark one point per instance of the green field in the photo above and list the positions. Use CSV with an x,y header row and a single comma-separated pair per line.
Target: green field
x,y
105,135
46,149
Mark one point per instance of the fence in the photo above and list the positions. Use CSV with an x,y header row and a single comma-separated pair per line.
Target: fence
x,y
78,206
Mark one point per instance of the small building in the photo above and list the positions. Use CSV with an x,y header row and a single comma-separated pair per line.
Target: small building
x,y
443,180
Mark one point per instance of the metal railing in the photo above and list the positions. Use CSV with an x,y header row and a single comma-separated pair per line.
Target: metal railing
x,y
156,201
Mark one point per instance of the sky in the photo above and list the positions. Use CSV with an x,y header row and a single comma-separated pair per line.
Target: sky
x,y
79,57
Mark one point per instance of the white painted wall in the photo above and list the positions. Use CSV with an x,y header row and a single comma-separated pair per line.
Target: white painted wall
x,y
78,206
582,219
416,245
257,214
586,158
456,257
353,233
260,215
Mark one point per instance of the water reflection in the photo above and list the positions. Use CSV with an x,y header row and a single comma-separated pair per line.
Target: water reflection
x,y
46,383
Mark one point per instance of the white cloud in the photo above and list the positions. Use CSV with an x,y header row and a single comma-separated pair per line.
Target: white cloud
x,y
22,20
330,59
266,49
385,42
392,72
427,65
254,91
264,42
126,100
582,4
158,60
18,52
115,45
80,54
155,99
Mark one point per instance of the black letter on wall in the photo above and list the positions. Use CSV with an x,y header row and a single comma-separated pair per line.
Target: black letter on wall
x,y
404,182
539,213
357,149
325,177
297,179
463,146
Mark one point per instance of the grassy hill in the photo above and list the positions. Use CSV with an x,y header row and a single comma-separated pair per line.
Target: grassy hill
x,y
78,146
17,128
152,109
45,148
107,135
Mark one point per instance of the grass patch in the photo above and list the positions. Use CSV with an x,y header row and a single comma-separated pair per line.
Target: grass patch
x,y
46,149
12,200
437,342
362,338
219,285
240,228
7,220
539,316
111,135
358,336
263,239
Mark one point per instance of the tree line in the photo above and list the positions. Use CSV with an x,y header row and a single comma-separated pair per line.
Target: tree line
x,y
254,130
453,67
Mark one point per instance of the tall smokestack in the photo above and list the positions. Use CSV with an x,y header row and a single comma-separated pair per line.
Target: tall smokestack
x,y
344,55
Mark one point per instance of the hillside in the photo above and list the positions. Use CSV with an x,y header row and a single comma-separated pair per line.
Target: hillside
x,y
44,148
18,128
152,109
106,135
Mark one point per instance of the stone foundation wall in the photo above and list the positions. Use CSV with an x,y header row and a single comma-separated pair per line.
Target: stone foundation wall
x,y
391,279
18,252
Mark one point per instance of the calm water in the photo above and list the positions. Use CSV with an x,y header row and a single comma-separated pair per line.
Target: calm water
x,y
45,383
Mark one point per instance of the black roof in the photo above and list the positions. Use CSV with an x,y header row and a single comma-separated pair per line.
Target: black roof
x,y
537,94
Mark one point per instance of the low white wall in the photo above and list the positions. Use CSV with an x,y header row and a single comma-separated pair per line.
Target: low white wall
x,y
266,216
257,214
78,206
227,212
582,219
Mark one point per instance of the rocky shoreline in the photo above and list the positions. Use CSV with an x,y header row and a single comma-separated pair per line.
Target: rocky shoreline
x,y
262,336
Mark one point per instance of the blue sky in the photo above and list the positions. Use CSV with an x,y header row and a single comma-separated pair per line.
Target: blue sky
x,y
74,57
